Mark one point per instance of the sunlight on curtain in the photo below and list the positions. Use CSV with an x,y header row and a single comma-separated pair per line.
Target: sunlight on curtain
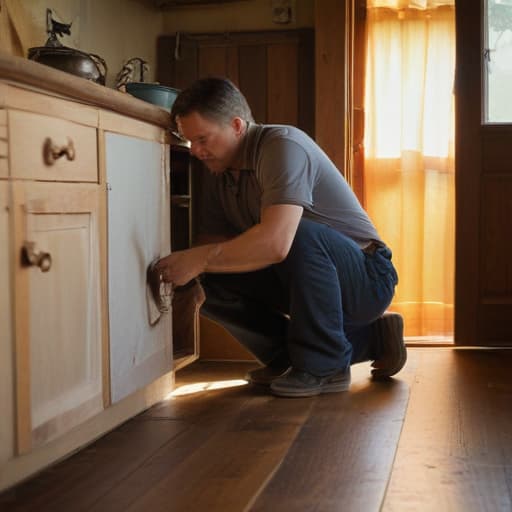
x,y
409,165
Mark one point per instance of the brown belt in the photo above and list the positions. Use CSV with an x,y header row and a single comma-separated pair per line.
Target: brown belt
x,y
372,247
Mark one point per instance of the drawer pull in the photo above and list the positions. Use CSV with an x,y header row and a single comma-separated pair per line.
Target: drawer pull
x,y
31,256
52,152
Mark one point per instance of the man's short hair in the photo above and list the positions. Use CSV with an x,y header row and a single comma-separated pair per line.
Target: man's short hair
x,y
217,99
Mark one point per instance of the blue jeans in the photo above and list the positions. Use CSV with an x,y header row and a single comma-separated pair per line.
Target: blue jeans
x,y
315,309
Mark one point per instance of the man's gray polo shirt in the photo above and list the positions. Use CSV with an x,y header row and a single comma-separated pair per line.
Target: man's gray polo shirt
x,y
282,165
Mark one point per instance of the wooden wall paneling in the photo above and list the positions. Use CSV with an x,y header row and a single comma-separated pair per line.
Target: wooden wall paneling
x,y
282,84
186,65
212,61
253,79
165,69
232,64
306,81
330,79
468,160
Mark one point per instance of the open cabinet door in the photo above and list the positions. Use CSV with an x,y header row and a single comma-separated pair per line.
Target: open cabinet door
x,y
483,283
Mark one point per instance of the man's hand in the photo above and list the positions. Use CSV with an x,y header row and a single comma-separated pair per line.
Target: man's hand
x,y
182,266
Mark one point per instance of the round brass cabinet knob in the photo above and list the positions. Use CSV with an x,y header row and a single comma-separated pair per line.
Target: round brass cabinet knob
x,y
31,256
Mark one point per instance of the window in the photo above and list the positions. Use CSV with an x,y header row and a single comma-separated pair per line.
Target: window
x,y
498,61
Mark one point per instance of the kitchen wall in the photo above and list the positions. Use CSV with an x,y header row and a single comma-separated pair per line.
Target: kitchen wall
x,y
116,30
236,16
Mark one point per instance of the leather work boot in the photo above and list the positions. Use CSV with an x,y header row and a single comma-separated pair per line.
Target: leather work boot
x,y
297,383
389,331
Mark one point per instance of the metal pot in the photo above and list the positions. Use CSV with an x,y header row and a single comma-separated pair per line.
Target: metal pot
x,y
86,65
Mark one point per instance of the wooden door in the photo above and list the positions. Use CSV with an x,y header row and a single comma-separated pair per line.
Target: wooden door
x,y
7,420
57,308
274,70
483,281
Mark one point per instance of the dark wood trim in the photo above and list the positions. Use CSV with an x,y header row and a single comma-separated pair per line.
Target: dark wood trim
x,y
468,161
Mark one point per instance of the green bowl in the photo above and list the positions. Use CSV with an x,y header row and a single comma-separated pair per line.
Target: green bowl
x,y
153,93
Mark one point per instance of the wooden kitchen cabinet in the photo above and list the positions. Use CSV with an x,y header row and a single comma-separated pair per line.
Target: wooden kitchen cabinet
x,y
56,273
80,220
57,308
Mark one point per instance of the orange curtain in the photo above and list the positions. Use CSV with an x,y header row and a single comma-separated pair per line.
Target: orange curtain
x,y
409,165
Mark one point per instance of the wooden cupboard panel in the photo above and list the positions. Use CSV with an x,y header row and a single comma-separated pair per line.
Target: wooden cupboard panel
x,y
112,122
212,61
253,79
45,104
177,61
283,95
6,340
58,312
28,135
232,64
219,61
496,215
282,84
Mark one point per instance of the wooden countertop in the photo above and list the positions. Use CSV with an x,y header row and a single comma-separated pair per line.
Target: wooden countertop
x,y
26,72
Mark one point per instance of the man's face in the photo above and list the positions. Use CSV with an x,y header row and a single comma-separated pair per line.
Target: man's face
x,y
216,145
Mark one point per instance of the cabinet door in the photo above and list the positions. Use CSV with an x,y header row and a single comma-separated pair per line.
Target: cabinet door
x,y
138,232
6,373
274,69
57,309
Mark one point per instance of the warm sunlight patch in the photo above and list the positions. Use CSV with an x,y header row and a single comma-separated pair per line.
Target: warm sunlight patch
x,y
197,387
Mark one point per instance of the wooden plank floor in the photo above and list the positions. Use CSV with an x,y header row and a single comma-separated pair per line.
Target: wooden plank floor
x,y
437,437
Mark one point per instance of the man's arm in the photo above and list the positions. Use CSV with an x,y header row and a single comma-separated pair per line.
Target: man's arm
x,y
264,244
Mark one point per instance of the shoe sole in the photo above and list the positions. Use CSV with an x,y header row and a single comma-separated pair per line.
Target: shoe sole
x,y
394,323
333,387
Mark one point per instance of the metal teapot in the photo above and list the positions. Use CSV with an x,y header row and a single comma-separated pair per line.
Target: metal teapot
x,y
56,55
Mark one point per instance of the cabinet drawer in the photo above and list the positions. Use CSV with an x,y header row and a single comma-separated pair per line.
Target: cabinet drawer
x,y
49,149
